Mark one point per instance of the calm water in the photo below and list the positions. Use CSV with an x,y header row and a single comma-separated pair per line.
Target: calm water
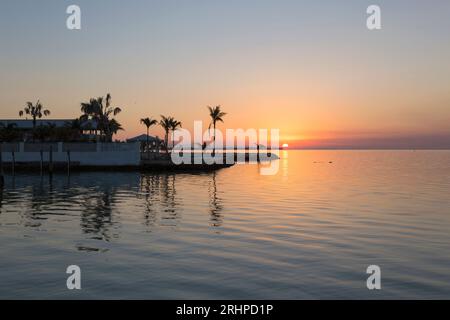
x,y
308,232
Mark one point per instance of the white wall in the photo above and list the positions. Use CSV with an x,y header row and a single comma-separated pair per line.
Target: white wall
x,y
106,154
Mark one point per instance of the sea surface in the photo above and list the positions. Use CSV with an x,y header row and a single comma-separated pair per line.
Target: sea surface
x,y
308,232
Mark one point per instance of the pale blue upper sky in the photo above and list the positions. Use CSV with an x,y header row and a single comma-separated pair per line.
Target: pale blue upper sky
x,y
310,68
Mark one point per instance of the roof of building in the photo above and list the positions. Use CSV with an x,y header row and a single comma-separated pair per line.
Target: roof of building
x,y
143,138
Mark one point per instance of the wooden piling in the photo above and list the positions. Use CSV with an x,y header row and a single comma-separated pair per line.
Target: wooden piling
x,y
13,157
68,162
42,162
50,162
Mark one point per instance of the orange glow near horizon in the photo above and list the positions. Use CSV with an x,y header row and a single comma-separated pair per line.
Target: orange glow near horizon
x,y
323,85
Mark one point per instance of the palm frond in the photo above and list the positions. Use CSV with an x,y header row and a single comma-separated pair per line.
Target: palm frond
x,y
117,110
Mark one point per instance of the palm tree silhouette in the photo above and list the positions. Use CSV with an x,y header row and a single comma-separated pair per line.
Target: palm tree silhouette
x,y
36,111
148,122
100,110
174,125
114,127
166,123
9,133
216,115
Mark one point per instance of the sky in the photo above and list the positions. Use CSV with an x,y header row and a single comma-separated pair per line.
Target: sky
x,y
309,68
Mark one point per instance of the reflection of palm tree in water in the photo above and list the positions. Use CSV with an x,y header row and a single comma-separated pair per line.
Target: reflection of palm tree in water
x,y
160,190
149,184
215,203
95,205
170,214
40,196
96,215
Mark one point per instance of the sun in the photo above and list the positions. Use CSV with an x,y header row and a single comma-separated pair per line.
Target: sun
x,y
285,146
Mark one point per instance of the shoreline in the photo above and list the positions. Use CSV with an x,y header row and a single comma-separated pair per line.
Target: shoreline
x,y
58,167
156,162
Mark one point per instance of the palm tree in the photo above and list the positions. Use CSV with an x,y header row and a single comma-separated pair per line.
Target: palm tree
x,y
166,123
216,116
148,122
75,125
174,125
114,126
44,132
100,110
9,132
91,111
36,111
